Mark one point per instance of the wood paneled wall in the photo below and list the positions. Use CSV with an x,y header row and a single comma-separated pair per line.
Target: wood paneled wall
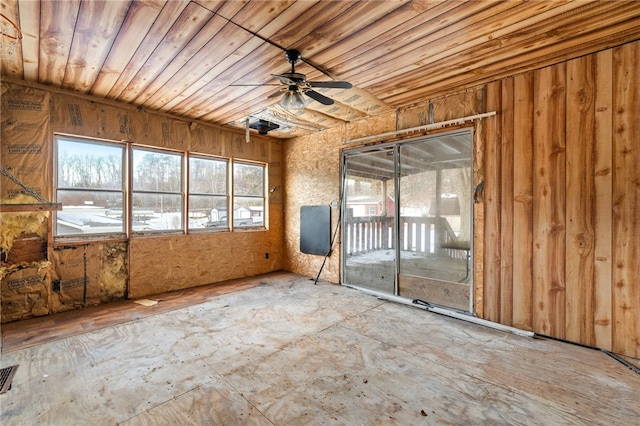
x,y
562,201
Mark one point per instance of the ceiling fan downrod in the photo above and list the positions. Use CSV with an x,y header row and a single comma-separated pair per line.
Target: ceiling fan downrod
x,y
292,56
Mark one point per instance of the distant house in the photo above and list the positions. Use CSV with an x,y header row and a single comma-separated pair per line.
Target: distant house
x,y
365,205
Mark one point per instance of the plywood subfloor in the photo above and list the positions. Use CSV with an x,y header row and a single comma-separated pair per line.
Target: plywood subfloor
x,y
35,331
286,351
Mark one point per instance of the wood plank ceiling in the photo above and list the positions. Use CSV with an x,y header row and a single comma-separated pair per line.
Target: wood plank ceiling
x,y
212,61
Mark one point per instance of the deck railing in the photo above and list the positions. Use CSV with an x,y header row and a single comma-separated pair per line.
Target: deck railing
x,y
417,234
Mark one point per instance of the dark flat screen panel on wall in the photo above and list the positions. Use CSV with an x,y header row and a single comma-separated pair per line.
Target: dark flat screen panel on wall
x,y
315,229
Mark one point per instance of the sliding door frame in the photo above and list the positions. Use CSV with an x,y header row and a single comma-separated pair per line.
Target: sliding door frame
x,y
395,147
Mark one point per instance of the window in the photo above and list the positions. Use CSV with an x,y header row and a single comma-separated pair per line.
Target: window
x,y
114,190
372,211
208,193
248,195
90,186
157,197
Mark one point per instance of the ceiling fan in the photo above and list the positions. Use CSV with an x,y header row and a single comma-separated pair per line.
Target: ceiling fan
x,y
297,86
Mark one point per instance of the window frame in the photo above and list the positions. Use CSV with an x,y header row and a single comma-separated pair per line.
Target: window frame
x,y
182,193
210,227
263,196
118,235
126,192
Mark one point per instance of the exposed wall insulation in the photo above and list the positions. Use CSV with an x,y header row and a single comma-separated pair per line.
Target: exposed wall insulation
x,y
204,139
23,262
25,291
449,107
256,149
81,274
114,271
25,134
75,281
16,225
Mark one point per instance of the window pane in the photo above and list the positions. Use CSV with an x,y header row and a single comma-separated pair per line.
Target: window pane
x,y
248,179
89,165
248,211
89,212
157,212
207,176
156,171
207,211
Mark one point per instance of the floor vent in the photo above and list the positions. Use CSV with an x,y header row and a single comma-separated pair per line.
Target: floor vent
x,y
6,376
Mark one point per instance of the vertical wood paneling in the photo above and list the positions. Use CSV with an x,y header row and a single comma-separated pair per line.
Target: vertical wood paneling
x,y
478,260
506,204
580,200
548,206
523,202
479,140
626,200
603,196
562,201
492,164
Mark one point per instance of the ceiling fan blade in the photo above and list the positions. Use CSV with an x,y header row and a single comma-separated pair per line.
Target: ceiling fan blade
x,y
318,97
277,93
330,84
254,85
283,79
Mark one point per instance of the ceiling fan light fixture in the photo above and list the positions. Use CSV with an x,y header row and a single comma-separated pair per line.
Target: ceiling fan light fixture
x,y
293,100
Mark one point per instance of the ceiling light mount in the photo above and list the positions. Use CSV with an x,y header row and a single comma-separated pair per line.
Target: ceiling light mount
x,y
292,56
263,126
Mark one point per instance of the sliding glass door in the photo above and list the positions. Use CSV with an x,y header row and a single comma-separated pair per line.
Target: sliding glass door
x,y
426,253
368,242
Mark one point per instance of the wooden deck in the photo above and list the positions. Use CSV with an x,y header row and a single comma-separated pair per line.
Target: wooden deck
x,y
285,351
